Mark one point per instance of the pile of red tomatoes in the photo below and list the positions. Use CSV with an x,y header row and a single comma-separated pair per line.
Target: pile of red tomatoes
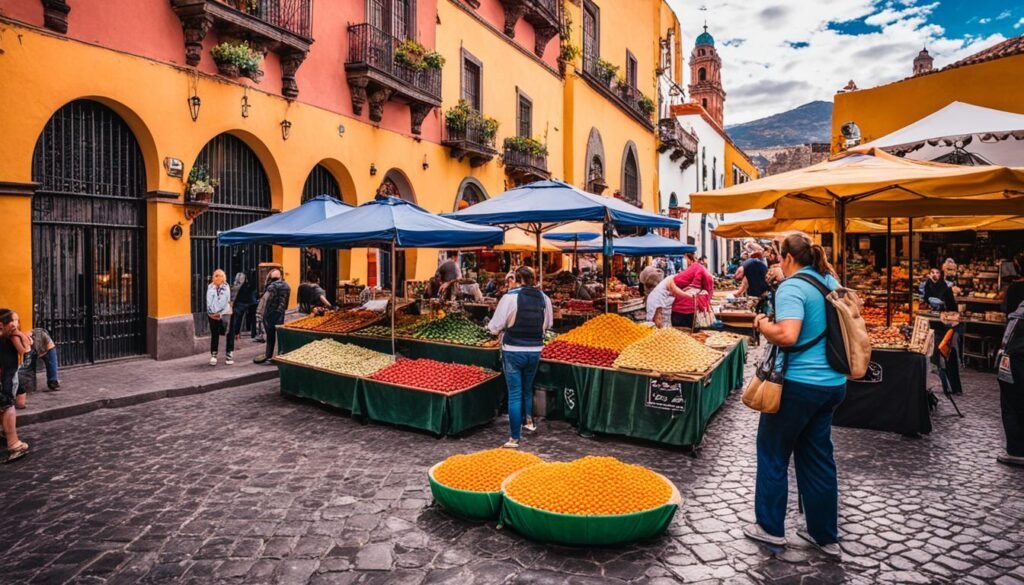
x,y
432,375
564,351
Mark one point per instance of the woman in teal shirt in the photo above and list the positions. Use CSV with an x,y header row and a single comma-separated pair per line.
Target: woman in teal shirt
x,y
802,428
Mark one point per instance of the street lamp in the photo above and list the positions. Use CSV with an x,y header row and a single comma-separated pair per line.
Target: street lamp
x,y
193,107
286,128
851,134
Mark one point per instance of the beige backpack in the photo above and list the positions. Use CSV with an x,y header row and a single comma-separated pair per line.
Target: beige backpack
x,y
847,345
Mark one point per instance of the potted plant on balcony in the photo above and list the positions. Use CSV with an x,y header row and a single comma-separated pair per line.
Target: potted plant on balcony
x,y
462,117
237,58
417,57
646,105
200,186
606,71
568,52
526,145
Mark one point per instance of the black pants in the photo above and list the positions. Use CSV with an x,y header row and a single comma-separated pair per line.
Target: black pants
x,y
270,323
217,328
682,320
238,317
1011,401
949,375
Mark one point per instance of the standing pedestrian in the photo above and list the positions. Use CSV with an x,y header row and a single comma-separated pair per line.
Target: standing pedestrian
x,y
46,351
13,345
937,293
696,278
811,390
275,298
1011,371
522,316
243,296
218,313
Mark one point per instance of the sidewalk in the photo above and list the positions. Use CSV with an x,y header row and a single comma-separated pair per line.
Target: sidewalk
x,y
134,381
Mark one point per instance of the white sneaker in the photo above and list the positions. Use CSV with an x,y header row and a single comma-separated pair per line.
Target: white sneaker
x,y
831,550
229,359
511,444
213,360
755,532
530,425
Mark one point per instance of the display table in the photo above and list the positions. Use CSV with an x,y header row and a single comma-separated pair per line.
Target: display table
x,y
619,402
893,396
486,357
437,412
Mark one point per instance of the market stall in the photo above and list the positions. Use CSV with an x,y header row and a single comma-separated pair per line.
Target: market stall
x,y
613,376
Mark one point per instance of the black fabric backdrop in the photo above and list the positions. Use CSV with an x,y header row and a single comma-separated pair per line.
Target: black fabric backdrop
x,y
893,396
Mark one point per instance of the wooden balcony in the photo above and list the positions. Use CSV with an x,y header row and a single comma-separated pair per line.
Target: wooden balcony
x,y
683,144
544,15
282,26
524,167
628,98
470,141
375,77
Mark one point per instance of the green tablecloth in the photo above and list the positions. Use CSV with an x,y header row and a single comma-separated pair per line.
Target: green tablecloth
x,y
486,357
440,414
626,403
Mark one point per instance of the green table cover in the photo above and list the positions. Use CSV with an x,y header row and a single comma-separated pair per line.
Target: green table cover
x,y
486,357
623,403
576,530
464,503
441,414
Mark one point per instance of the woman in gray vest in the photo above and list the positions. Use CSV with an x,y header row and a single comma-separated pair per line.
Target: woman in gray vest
x,y
521,317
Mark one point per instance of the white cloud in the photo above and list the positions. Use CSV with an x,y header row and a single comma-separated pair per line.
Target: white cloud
x,y
1020,23
785,54
1004,15
985,20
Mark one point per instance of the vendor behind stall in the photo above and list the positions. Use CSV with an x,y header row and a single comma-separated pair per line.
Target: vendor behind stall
x,y
311,295
937,293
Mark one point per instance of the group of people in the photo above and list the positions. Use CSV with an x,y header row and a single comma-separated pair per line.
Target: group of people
x,y
228,306
19,353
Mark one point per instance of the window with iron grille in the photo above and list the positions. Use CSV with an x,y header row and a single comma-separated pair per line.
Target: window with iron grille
x,y
591,35
472,81
631,179
524,115
395,17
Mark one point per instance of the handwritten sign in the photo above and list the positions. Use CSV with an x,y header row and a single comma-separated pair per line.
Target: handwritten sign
x,y
666,395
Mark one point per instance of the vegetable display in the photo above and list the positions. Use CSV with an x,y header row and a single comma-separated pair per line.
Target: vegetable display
x,y
579,354
347,321
312,322
607,331
482,471
668,351
433,375
589,486
454,329
343,358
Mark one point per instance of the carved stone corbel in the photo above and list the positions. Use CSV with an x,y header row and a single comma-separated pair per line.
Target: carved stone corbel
x,y
377,99
357,86
542,36
514,10
417,113
289,66
55,15
195,28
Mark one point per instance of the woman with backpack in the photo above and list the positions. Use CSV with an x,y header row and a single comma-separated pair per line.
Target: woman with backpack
x,y
811,390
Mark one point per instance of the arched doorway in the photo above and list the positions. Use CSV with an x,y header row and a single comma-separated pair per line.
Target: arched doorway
x,y
595,165
631,176
470,193
322,262
88,235
394,184
242,197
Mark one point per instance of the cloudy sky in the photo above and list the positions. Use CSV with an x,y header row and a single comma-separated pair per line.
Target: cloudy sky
x,y
779,54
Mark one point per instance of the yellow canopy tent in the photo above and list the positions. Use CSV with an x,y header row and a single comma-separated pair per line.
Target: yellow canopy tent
x,y
517,240
771,227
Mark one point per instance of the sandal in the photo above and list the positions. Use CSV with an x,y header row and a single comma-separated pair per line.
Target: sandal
x,y
17,452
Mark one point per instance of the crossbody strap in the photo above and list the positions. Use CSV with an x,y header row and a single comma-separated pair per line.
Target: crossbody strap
x,y
824,293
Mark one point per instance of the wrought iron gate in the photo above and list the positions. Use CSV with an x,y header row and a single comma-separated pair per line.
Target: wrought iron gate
x,y
324,262
88,235
242,197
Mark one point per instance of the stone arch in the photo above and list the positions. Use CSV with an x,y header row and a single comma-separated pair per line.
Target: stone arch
x,y
595,166
344,178
395,183
631,171
702,74
469,188
262,152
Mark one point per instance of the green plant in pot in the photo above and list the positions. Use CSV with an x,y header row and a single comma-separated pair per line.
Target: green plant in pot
x,y
526,145
417,57
646,105
606,71
462,117
237,58
200,185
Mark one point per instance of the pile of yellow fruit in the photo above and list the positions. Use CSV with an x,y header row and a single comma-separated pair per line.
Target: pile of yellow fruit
x,y
668,351
591,486
607,331
312,322
482,471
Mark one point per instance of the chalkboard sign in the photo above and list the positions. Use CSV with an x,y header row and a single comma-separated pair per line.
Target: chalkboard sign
x,y
666,395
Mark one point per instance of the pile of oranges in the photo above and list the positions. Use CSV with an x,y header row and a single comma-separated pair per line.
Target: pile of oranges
x,y
607,331
591,486
482,471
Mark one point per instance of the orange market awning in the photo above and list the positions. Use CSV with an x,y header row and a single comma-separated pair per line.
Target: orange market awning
x,y
772,226
871,185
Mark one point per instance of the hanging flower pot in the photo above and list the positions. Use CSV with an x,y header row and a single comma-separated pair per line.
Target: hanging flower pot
x,y
236,58
227,69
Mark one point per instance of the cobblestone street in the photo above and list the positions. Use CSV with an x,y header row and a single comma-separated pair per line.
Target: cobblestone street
x,y
243,486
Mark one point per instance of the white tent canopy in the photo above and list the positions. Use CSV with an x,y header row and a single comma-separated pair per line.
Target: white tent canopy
x,y
997,137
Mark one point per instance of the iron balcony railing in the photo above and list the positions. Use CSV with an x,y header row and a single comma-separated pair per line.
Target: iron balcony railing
x,y
472,131
370,46
550,7
525,160
627,96
672,134
294,16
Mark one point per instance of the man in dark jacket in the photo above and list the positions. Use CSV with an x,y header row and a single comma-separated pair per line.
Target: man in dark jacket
x,y
939,297
276,294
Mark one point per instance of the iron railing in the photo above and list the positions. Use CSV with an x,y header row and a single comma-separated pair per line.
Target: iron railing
x,y
294,16
374,48
552,8
671,133
627,96
520,159
473,131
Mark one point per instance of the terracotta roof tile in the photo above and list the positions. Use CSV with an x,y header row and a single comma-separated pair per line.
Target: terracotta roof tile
x,y
1007,48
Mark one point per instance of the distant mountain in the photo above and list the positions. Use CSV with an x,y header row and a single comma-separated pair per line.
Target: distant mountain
x,y
809,123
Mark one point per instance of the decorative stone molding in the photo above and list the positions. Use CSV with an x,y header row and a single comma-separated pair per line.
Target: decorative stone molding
x,y
55,15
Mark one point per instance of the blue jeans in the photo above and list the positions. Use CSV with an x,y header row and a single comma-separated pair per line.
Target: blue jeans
x,y
520,370
802,428
50,361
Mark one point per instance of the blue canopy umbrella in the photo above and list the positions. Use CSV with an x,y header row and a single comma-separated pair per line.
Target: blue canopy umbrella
x,y
276,228
575,238
646,245
398,223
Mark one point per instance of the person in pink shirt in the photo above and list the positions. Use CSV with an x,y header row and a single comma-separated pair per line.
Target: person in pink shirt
x,y
696,276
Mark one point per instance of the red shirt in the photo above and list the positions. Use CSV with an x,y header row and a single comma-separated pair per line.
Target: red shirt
x,y
695,276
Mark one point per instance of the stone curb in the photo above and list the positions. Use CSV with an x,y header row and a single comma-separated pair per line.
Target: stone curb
x,y
27,418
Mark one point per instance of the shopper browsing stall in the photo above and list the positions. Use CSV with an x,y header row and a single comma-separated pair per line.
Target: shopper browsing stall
x,y
521,318
687,303
1011,371
311,295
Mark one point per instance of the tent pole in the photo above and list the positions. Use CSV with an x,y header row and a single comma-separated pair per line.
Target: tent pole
x,y
910,268
840,236
606,257
394,298
888,280
540,260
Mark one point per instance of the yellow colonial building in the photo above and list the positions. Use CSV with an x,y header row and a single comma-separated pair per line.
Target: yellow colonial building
x,y
111,110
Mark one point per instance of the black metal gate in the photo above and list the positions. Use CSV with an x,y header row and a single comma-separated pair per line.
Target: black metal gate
x,y
324,262
242,197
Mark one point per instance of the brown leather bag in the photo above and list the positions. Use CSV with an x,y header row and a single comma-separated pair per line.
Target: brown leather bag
x,y
764,391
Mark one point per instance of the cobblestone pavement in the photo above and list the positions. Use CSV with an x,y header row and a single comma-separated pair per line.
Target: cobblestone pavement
x,y
243,486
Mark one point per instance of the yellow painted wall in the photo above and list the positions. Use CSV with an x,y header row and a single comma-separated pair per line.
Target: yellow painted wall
x,y
997,84
734,156
586,108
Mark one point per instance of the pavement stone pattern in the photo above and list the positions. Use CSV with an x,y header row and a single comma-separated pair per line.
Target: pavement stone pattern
x,y
244,486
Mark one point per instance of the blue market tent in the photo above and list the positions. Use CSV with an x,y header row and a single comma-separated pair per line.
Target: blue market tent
x,y
276,228
394,222
646,245
572,236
